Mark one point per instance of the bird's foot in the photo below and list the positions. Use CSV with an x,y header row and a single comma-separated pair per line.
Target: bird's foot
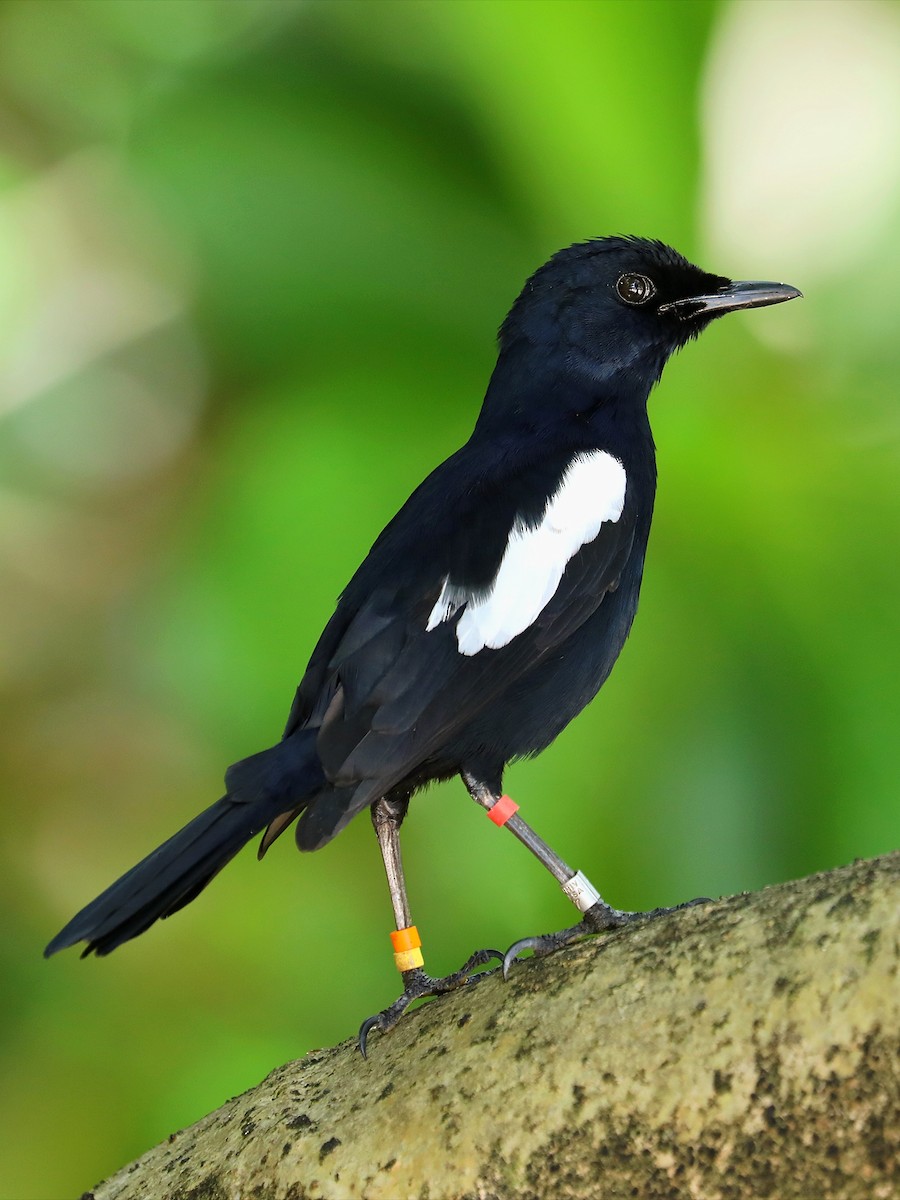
x,y
599,918
416,985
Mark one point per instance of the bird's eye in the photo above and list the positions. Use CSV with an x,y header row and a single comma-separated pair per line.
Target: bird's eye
x,y
635,289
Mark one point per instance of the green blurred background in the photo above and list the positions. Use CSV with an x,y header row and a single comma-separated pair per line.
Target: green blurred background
x,y
252,257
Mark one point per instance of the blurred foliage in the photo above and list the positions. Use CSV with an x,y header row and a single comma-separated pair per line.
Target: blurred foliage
x,y
252,255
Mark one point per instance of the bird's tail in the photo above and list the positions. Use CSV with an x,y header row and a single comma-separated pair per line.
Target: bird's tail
x,y
260,788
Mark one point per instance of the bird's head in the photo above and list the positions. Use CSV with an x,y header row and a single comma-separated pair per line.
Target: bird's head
x,y
623,305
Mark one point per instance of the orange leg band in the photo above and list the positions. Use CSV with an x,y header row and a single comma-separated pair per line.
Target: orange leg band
x,y
407,948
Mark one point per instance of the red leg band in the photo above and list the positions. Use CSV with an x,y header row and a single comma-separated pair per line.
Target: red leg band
x,y
502,810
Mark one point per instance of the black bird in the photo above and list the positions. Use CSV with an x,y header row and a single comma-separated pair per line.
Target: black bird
x,y
488,612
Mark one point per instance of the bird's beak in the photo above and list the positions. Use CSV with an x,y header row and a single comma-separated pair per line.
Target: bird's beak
x,y
740,294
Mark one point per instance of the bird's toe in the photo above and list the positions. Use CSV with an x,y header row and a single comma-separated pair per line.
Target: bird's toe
x,y
599,918
479,959
543,943
417,985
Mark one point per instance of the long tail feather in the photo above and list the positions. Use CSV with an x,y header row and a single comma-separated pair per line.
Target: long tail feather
x,y
260,789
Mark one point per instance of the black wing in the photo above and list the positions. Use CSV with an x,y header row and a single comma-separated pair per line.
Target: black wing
x,y
386,693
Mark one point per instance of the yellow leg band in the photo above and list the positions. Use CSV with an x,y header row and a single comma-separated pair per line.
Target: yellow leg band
x,y
407,959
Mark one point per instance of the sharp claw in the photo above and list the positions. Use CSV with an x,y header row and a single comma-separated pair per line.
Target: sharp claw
x,y
517,948
543,944
364,1030
384,1020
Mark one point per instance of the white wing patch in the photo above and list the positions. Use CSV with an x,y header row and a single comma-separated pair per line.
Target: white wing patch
x,y
590,492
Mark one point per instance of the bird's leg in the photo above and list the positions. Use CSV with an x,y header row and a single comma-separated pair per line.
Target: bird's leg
x,y
387,817
597,915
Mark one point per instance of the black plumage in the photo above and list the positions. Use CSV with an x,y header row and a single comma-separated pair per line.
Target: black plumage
x,y
493,606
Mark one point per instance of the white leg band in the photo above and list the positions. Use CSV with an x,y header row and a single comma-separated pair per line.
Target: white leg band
x,y
581,891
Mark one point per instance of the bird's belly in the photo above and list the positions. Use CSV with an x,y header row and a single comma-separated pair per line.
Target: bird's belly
x,y
537,708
